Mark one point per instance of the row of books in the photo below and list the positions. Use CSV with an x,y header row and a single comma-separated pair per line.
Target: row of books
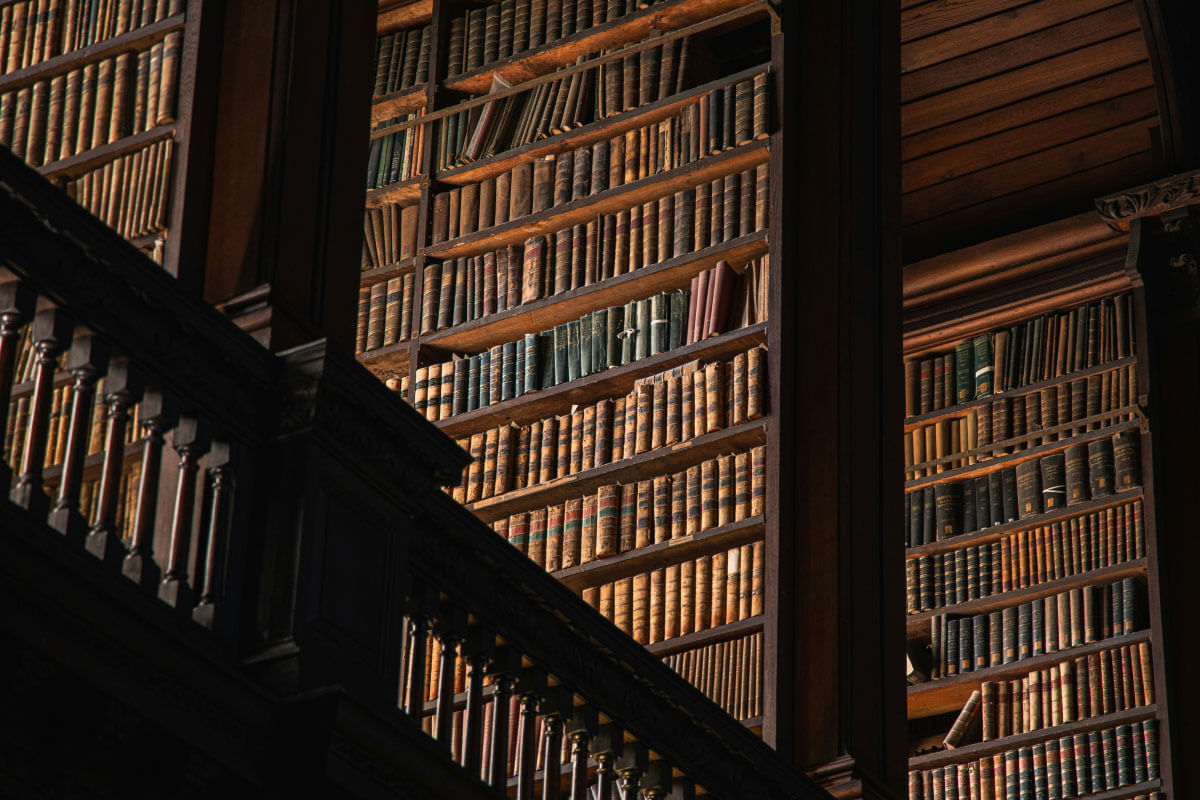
x,y
1084,471
729,673
541,361
559,105
396,156
482,36
33,31
1026,558
714,590
1044,625
1117,679
130,193
389,235
618,518
669,226
663,410
385,312
1049,346
401,60
552,180
1022,421
1063,767
58,424
93,104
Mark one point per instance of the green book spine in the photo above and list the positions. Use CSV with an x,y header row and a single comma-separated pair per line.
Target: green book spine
x,y
561,355
574,361
964,371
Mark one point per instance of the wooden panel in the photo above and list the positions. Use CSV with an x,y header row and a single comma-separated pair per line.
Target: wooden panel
x,y
1050,200
1028,139
1029,171
1031,49
1000,27
918,19
398,103
1038,107
1018,84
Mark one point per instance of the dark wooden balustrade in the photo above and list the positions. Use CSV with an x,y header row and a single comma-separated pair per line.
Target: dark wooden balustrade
x,y
266,565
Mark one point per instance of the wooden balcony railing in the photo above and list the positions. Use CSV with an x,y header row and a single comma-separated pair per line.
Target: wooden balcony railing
x,y
288,510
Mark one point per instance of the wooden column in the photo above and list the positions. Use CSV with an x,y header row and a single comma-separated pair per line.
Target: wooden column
x,y
836,699
1164,261
290,152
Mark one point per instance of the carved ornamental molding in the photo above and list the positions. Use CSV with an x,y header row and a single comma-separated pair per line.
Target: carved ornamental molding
x,y
1150,199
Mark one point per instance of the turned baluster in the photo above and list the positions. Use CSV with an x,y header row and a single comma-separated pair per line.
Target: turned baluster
x,y
478,649
190,440
157,415
507,661
122,389
656,785
221,481
607,747
51,335
449,630
580,730
631,766
530,687
86,361
556,708
420,610
17,302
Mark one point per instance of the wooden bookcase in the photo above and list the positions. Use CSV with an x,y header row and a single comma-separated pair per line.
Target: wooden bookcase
x,y
644,25
933,704
133,53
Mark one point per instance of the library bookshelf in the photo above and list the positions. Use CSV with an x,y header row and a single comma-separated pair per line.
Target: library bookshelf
x,y
689,52
1043,690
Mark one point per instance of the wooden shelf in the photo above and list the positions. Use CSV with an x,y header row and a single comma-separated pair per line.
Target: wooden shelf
x,y
1012,459
960,409
672,458
136,39
918,624
950,694
609,383
396,16
370,276
1063,432
76,165
405,192
973,752
675,273
720,633
661,17
404,101
387,362
995,532
672,551
583,136
618,198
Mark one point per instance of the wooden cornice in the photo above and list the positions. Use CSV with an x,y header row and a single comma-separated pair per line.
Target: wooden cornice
x,y
1150,199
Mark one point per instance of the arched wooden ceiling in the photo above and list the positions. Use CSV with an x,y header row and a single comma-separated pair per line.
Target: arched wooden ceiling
x,y
1019,112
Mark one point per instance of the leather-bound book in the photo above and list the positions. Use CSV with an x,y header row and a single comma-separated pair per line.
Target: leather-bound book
x,y
554,538
537,537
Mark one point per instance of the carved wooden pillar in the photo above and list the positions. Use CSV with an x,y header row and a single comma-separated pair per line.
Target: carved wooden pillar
x,y
86,360
52,330
17,301
834,641
292,112
122,388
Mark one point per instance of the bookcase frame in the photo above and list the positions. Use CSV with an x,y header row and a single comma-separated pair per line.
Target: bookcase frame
x,y
1022,294
439,97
